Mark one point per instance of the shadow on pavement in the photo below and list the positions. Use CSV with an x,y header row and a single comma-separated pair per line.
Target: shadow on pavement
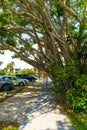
x,y
44,114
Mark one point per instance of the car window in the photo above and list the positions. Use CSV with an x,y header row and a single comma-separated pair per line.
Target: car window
x,y
14,78
5,78
10,78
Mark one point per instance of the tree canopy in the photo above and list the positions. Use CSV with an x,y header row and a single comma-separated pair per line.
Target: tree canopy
x,y
45,33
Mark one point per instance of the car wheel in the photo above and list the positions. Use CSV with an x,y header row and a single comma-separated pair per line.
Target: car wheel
x,y
6,87
21,84
33,80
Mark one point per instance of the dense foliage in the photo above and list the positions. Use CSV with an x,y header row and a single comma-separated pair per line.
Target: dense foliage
x,y
77,97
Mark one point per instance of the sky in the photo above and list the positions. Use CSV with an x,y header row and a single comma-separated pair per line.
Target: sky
x,y
6,58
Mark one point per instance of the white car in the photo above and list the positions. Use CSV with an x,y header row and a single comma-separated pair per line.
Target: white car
x,y
25,80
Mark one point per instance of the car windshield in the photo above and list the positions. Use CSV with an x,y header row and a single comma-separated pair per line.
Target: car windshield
x,y
13,78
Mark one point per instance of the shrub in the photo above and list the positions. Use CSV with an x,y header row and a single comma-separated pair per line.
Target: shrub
x,y
77,97
2,72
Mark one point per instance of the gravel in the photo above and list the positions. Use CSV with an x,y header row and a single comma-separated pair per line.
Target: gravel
x,y
14,108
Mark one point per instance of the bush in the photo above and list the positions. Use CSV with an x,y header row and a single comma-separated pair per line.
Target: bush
x,y
2,72
77,97
27,71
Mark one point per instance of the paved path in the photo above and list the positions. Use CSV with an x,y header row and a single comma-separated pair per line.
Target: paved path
x,y
43,114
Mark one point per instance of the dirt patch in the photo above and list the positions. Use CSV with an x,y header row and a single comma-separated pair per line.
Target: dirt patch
x,y
61,101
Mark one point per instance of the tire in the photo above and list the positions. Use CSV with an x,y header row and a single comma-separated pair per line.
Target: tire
x,y
21,84
6,87
33,80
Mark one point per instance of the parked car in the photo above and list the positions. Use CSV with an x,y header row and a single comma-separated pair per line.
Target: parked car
x,y
15,80
6,85
31,78
25,80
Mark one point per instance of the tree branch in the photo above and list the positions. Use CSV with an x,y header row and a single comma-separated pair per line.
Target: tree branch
x,y
70,11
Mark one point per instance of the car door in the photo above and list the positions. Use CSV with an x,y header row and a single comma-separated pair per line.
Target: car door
x,y
14,80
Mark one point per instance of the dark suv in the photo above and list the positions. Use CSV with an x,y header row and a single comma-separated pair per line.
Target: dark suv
x,y
31,78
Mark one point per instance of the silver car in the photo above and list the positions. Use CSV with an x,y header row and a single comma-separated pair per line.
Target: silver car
x,y
16,82
6,85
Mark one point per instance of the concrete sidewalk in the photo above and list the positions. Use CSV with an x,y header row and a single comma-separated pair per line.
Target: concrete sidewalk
x,y
43,114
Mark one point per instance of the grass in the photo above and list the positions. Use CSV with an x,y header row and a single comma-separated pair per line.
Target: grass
x,y
9,125
79,120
